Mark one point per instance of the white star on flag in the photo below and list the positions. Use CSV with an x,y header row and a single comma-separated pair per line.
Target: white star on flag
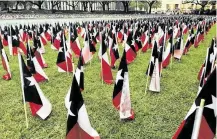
x,y
119,77
15,37
138,39
115,48
213,105
106,43
132,42
212,57
61,49
32,80
69,111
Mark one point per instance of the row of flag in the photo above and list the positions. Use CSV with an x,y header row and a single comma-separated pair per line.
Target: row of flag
x,y
207,92
133,34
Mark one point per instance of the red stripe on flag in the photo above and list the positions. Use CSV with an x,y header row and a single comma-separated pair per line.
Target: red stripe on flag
x,y
130,56
43,41
120,36
34,108
166,62
39,78
142,38
5,42
106,72
205,131
14,51
78,133
23,48
200,72
6,77
145,47
56,44
113,59
39,59
116,100
75,48
47,36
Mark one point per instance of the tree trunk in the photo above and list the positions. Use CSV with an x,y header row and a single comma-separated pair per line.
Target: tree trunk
x,y
52,9
24,5
103,7
202,9
17,5
126,6
6,6
150,6
91,6
39,6
73,6
108,6
84,6
126,9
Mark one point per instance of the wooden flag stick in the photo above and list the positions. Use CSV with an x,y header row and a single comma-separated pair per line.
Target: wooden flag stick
x,y
22,86
101,56
101,70
197,121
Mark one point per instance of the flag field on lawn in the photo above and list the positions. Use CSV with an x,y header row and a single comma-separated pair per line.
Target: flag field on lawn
x,y
134,79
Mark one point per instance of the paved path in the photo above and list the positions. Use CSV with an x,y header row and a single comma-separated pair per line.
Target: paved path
x,y
72,19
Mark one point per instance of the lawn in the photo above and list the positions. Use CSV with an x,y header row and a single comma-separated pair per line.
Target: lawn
x,y
157,115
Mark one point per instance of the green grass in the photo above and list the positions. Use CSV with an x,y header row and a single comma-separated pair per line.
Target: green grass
x,y
157,115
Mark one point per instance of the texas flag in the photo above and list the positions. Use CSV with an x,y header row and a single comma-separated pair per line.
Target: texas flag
x,y
130,49
5,62
74,41
39,104
121,93
64,58
106,73
34,66
78,124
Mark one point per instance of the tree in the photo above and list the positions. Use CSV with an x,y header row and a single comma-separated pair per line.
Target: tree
x,y
73,5
198,2
150,4
104,4
17,4
53,4
91,5
134,4
126,6
7,5
213,3
139,4
84,4
157,4
37,3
